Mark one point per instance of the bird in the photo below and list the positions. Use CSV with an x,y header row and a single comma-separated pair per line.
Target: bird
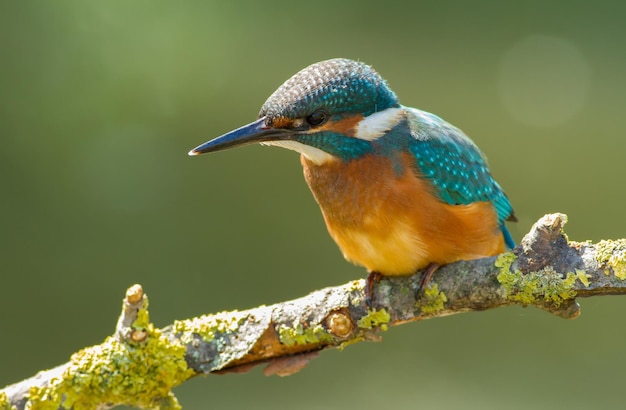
x,y
400,189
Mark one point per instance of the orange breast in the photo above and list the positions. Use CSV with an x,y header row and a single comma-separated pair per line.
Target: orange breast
x,y
387,219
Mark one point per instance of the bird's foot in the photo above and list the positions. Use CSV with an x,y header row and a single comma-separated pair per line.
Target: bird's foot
x,y
426,277
373,277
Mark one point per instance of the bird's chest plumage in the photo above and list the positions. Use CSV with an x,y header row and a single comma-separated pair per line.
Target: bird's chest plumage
x,y
384,215
368,205
344,190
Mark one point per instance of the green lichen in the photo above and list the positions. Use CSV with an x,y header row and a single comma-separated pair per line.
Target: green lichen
x,y
433,300
374,318
546,284
208,326
299,335
137,374
612,254
4,402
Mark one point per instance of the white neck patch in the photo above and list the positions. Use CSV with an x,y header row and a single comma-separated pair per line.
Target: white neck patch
x,y
379,123
315,155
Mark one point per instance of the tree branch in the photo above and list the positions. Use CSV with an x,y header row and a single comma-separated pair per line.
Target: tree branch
x,y
139,365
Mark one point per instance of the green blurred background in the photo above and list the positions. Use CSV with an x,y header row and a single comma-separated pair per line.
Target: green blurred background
x,y
101,100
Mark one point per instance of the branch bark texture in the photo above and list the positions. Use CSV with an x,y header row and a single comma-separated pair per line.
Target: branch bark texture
x,y
139,365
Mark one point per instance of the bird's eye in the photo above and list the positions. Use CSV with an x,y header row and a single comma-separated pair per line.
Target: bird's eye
x,y
317,118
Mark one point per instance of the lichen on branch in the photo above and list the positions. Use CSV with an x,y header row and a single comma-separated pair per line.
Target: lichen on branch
x,y
140,364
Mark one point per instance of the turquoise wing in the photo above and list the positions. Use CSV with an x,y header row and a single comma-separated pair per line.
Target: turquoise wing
x,y
455,165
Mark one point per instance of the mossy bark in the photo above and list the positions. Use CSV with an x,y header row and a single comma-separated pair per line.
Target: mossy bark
x,y
139,365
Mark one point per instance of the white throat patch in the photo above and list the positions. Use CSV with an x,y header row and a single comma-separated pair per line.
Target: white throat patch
x,y
378,124
315,155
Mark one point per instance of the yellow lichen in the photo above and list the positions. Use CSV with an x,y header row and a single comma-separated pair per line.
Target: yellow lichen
x,y
143,318
612,254
356,285
4,402
583,277
433,300
137,374
349,342
43,398
546,284
208,326
298,334
374,318
504,261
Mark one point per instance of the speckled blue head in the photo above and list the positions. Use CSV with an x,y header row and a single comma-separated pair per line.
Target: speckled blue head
x,y
311,112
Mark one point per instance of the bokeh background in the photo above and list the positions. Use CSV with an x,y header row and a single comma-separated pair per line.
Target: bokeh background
x,y
101,100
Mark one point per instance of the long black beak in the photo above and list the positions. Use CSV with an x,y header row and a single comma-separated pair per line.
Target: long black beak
x,y
248,134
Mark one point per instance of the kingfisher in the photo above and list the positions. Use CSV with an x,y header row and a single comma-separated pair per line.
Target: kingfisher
x,y
400,189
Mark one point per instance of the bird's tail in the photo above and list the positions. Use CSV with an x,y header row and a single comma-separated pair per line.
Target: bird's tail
x,y
508,239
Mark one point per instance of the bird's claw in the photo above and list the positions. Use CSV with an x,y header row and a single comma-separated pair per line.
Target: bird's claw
x,y
427,275
373,277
